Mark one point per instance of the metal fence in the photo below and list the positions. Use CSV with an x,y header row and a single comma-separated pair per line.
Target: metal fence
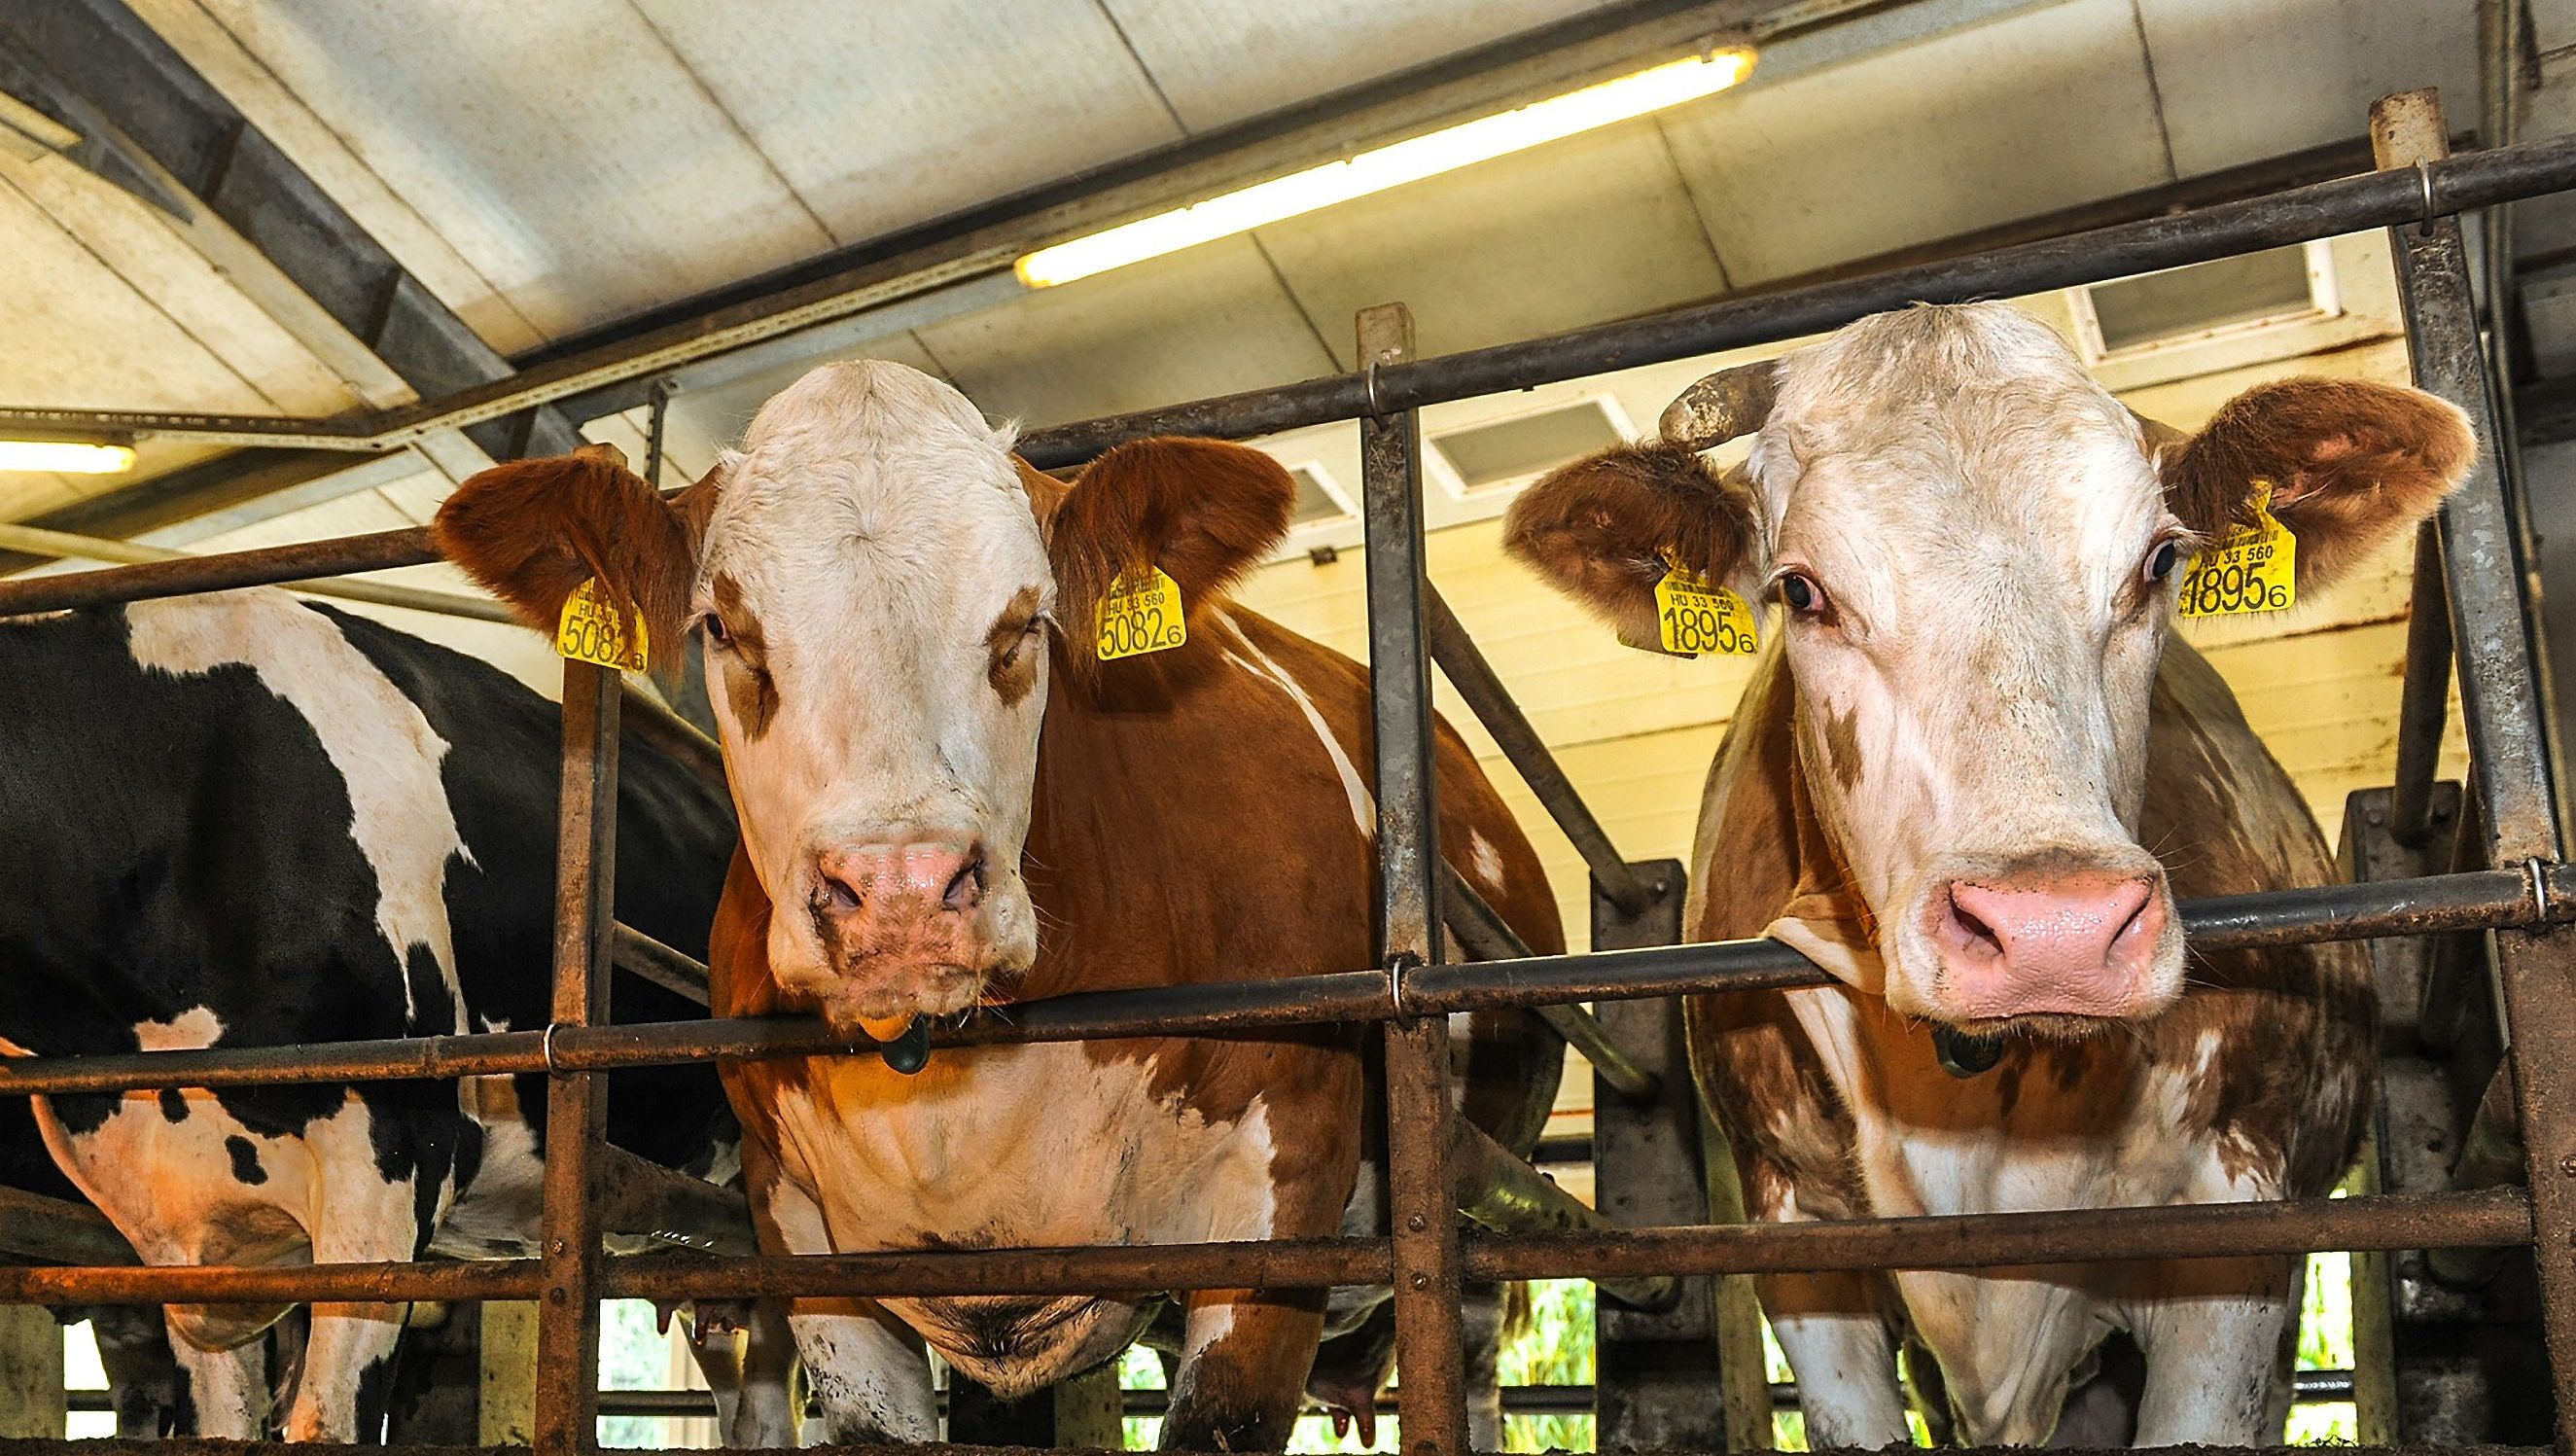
x,y
2527,897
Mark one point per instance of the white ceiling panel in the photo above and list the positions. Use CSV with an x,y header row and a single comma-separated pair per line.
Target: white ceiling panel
x,y
1222,61
885,115
387,216
1594,227
1210,320
2244,82
561,148
2005,120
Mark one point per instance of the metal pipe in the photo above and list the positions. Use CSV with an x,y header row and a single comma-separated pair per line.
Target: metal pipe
x,y
667,968
2324,209
2435,904
1487,937
2425,706
1464,664
268,566
38,541
2498,1217
1419,1120
1497,1191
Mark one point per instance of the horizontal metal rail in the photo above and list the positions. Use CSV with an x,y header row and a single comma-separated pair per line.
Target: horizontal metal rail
x,y
223,571
2490,1218
2303,214
2435,904
37,541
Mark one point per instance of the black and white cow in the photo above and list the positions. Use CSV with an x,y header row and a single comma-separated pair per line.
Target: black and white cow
x,y
240,820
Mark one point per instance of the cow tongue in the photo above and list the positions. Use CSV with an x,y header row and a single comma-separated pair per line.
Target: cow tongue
x,y
886,1028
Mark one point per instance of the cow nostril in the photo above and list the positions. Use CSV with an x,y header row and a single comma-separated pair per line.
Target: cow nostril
x,y
834,896
1969,931
966,887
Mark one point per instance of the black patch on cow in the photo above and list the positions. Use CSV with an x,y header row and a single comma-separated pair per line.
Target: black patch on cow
x,y
433,1010
375,1397
246,1168
174,1105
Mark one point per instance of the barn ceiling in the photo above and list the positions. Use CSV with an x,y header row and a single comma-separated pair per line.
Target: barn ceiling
x,y
547,170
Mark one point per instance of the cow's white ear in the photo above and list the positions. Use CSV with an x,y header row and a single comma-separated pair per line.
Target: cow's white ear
x,y
1605,529
2349,465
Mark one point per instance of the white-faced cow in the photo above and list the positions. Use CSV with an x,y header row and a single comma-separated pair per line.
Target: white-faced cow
x,y
893,603
1969,781
236,821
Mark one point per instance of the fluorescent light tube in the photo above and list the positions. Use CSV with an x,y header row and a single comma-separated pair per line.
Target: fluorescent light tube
x,y
1392,165
65,457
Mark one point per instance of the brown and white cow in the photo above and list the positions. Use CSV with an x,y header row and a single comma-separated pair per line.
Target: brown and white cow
x,y
893,603
1969,780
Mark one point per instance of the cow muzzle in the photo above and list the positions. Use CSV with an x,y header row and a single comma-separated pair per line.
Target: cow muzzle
x,y
906,920
2051,941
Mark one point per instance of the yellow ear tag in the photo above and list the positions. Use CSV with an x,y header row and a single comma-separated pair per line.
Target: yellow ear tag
x,y
2253,569
1141,614
593,630
1694,615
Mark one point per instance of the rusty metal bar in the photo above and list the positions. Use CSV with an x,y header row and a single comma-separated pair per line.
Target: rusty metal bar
x,y
268,566
1487,937
2425,707
567,1414
2501,705
38,541
2434,904
2489,1218
641,954
1464,664
1430,1342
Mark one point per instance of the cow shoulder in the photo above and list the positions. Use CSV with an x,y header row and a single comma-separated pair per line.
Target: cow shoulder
x,y
1756,1069
2276,1046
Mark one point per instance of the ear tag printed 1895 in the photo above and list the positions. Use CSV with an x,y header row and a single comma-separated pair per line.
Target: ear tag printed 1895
x,y
2254,568
1694,614
1142,613
593,630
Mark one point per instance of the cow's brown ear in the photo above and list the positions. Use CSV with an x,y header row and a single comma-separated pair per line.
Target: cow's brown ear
x,y
535,530
2351,464
1202,510
1602,529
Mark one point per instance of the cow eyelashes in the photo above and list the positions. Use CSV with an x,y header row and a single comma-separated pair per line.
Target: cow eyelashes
x,y
716,630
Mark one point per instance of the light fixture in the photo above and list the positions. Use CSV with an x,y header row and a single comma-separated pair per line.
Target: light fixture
x,y
1391,165
67,457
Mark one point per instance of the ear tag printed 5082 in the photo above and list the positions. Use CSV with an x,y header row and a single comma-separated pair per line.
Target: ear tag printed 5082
x,y
1694,614
1141,614
593,630
2254,568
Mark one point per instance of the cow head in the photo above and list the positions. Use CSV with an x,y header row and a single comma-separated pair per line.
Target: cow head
x,y
1975,550
884,589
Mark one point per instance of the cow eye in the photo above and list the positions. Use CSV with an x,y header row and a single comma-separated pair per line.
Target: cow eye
x,y
2162,560
1801,593
717,632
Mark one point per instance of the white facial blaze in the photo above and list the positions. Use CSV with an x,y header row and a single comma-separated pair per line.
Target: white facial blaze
x,y
1978,512
869,538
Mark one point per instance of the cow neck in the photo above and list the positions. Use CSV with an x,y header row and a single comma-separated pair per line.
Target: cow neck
x,y
1825,917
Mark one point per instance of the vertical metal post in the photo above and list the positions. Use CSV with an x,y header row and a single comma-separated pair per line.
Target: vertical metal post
x,y
2500,705
567,1415
1661,1380
660,415
1430,1351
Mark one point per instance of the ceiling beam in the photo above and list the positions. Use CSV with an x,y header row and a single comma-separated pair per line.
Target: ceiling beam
x,y
148,122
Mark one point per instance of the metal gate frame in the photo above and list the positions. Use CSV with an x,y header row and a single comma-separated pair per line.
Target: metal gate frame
x,y
2528,900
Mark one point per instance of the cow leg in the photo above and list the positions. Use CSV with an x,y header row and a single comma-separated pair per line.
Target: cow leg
x,y
1481,1314
348,1373
869,1373
1843,1351
2212,1337
766,1411
227,1390
1243,1370
144,1381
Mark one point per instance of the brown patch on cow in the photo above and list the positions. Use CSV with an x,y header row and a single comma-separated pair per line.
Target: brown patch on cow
x,y
1011,656
1841,742
1601,529
2350,463
534,530
1203,511
749,687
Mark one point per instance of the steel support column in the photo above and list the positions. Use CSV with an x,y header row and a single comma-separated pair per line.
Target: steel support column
x,y
2500,701
567,1413
1430,1354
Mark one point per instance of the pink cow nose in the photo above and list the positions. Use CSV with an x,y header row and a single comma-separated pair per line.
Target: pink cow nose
x,y
2072,943
862,889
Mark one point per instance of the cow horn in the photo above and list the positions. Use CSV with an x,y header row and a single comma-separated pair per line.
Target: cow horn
x,y
1725,405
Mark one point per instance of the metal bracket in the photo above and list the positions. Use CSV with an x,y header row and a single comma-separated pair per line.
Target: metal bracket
x,y
2537,870
2424,180
1396,966
548,1047
1368,381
